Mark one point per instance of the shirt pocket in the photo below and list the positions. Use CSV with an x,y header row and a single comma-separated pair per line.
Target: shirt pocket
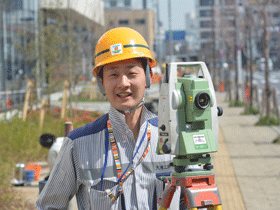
x,y
99,198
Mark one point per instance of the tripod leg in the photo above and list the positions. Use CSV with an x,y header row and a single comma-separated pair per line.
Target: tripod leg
x,y
216,207
167,195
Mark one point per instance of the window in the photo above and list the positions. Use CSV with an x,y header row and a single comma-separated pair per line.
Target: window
x,y
113,3
276,14
111,23
9,40
64,27
271,2
230,34
123,22
230,2
205,13
206,2
231,23
127,2
205,46
140,21
51,21
205,24
206,35
13,5
230,12
17,4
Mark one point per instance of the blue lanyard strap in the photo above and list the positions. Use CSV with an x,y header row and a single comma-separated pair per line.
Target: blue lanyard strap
x,y
106,157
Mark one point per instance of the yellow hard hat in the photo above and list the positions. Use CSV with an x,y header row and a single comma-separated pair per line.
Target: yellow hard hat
x,y
120,44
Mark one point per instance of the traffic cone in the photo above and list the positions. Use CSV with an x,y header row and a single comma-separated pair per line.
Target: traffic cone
x,y
247,94
8,101
222,88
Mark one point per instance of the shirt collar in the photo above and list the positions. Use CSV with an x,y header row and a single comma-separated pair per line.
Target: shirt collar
x,y
118,119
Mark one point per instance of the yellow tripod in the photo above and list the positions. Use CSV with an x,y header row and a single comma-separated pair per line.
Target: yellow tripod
x,y
218,207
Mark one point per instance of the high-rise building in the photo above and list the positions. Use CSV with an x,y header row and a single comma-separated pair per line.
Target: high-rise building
x,y
22,20
216,20
16,29
126,14
223,22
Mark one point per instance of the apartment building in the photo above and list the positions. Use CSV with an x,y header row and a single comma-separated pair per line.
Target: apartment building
x,y
122,14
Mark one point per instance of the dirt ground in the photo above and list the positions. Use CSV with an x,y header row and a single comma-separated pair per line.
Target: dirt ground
x,y
30,192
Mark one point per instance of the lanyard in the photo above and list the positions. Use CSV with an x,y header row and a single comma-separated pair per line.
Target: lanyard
x,y
122,176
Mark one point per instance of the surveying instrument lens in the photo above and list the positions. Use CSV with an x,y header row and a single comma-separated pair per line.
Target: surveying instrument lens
x,y
202,100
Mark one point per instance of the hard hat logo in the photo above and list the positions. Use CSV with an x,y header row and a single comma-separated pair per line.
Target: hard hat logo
x,y
116,49
120,44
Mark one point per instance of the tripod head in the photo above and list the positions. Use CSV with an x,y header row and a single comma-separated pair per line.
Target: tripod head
x,y
188,116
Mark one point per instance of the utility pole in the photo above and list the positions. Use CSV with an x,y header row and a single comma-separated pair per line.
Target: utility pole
x,y
144,4
213,69
158,34
236,46
2,60
250,24
70,55
38,82
170,32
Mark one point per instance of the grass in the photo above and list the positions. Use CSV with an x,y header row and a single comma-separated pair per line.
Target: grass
x,y
11,200
251,111
268,121
20,144
236,103
276,141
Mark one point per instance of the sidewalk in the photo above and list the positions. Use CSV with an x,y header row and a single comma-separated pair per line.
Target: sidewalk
x,y
247,164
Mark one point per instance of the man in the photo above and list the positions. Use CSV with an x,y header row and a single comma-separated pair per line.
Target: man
x,y
112,163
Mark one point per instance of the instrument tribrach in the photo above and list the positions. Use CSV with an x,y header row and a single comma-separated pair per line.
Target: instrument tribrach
x,y
188,128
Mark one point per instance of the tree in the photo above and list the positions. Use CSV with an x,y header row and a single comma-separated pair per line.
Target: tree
x,y
59,50
248,35
266,56
226,35
50,53
238,23
265,23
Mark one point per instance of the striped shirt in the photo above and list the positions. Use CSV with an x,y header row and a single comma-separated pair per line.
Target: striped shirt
x,y
80,163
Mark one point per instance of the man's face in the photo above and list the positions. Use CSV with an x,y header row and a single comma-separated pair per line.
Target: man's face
x,y
124,83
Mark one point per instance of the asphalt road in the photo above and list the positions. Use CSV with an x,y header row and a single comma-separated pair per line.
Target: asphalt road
x,y
259,80
274,80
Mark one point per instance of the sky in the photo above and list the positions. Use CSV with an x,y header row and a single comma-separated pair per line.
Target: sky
x,y
179,9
